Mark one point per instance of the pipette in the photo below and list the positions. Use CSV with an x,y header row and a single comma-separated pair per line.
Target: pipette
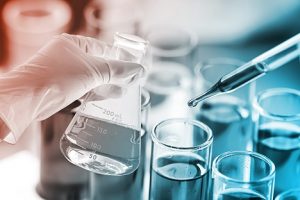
x,y
257,67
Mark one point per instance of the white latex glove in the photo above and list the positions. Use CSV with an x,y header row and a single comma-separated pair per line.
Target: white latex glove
x,y
61,72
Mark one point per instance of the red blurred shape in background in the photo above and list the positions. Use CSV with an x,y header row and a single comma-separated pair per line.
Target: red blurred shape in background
x,y
10,53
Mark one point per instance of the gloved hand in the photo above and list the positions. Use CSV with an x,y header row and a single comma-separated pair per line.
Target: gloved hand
x,y
61,72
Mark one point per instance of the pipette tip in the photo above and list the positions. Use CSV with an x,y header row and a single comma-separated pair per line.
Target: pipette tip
x,y
213,91
192,103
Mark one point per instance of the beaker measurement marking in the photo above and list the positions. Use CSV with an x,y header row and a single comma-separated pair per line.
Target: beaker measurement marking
x,y
96,146
82,140
78,152
91,126
93,156
87,133
102,130
116,116
117,119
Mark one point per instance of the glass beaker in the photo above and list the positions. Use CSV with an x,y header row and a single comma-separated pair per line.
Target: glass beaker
x,y
228,115
104,135
293,194
128,186
276,133
181,160
243,175
59,179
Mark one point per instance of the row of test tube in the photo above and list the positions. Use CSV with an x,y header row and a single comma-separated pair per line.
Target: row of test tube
x,y
240,121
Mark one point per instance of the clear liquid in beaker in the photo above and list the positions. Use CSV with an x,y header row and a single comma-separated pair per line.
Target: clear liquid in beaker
x,y
129,186
100,146
240,194
179,177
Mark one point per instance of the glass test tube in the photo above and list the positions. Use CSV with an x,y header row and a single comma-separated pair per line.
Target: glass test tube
x,y
169,85
243,175
277,132
227,115
293,194
129,186
169,81
181,160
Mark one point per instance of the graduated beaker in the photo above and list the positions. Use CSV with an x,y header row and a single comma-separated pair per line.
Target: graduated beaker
x,y
104,135
128,186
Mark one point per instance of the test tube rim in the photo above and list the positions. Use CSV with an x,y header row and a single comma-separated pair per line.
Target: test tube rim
x,y
216,172
287,193
131,38
169,67
182,51
272,92
202,65
134,41
199,124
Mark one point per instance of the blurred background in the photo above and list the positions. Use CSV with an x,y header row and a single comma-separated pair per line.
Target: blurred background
x,y
242,27
182,33
217,22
